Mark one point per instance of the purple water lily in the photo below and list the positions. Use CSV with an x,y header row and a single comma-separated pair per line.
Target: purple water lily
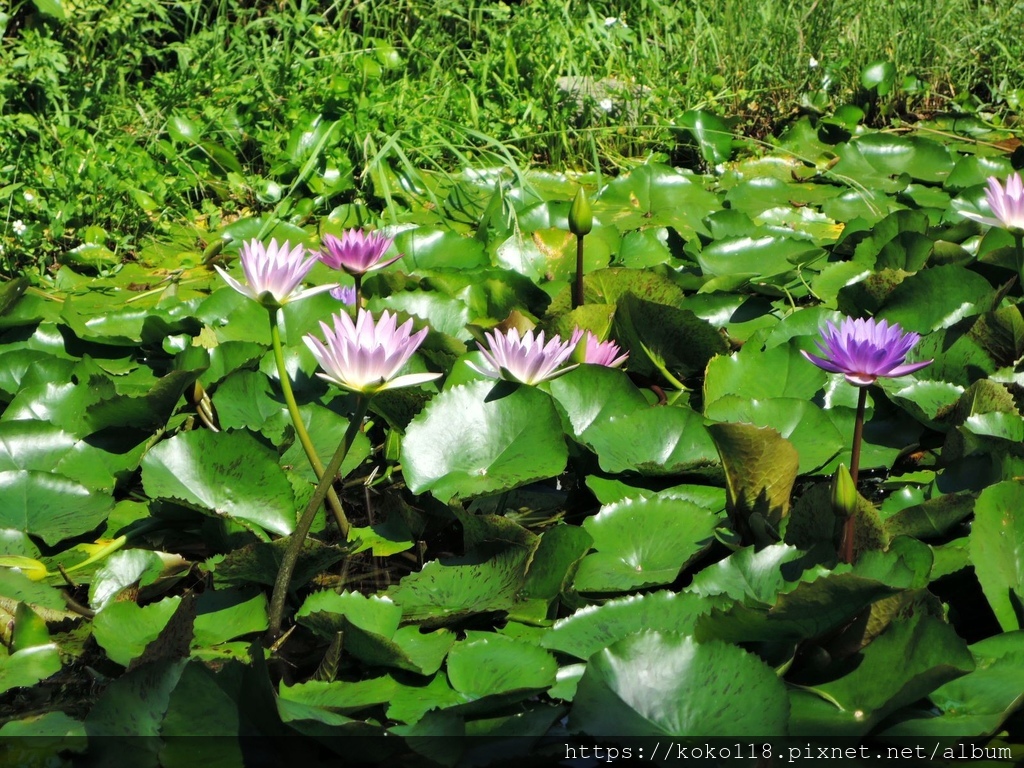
x,y
346,294
357,252
863,350
526,359
364,356
606,353
273,273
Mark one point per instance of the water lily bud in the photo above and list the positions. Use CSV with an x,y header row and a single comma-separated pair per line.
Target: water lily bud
x,y
844,492
581,218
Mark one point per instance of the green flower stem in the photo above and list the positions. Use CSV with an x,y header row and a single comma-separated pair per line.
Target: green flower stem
x,y
1018,238
300,428
577,293
858,434
298,538
359,291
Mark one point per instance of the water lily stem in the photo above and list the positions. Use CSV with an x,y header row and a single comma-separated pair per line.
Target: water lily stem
x,y
577,292
1018,238
858,434
359,291
298,538
333,502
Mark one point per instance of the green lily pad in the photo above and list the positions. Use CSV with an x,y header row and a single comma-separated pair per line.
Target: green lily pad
x,y
666,684
643,542
49,506
339,696
487,664
25,668
653,441
654,195
466,442
593,395
932,518
780,371
16,585
996,551
802,423
594,627
122,570
760,469
710,133
608,286
430,248
758,258
224,614
909,660
445,591
324,611
227,474
937,298
124,629
659,337
978,703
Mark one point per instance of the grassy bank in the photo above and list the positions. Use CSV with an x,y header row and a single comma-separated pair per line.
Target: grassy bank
x,y
118,120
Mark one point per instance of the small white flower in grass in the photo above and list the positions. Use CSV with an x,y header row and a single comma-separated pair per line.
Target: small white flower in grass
x,y
526,359
364,356
273,273
19,227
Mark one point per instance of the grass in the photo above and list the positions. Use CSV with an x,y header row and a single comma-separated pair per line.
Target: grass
x,y
86,101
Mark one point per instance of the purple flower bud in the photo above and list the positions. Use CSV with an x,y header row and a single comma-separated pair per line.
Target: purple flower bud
x,y
346,294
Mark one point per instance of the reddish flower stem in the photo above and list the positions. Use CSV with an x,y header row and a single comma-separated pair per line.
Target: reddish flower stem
x,y
577,292
858,433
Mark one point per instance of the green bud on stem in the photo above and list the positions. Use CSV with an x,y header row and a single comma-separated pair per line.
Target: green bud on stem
x,y
581,218
844,493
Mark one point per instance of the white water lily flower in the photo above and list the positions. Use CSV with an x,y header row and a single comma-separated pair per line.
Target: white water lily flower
x,y
273,273
364,356
1007,203
526,359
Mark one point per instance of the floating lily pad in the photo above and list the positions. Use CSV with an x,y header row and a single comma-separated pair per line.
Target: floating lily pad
x,y
467,442
643,542
667,684
223,473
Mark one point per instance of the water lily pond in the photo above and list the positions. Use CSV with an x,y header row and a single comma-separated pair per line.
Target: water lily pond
x,y
648,522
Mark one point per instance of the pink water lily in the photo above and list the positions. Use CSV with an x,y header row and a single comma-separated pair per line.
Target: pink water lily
x,y
364,356
526,359
864,350
606,353
273,273
357,252
1007,203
